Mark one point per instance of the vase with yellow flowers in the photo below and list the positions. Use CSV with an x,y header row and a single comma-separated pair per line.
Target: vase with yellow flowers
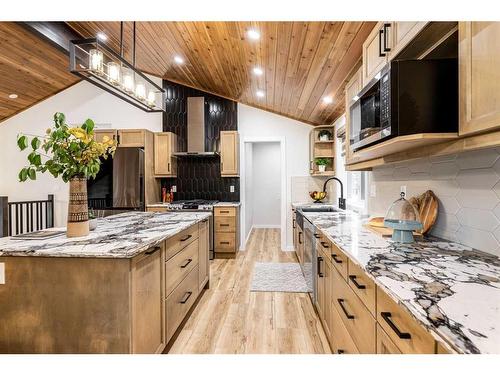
x,y
73,154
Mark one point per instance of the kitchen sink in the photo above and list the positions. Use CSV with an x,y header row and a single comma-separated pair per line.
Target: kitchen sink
x,y
318,209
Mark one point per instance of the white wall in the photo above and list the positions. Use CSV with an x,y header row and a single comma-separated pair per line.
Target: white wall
x,y
255,123
266,187
78,103
248,149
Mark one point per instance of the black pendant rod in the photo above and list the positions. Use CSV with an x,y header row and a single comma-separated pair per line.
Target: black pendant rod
x,y
133,58
121,39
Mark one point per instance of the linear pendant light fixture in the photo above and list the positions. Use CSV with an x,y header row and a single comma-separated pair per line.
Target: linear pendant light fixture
x,y
98,64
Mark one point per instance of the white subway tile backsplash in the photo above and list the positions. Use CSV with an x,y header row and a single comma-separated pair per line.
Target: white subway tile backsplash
x,y
468,189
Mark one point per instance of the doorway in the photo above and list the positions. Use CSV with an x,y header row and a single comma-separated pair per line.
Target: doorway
x,y
263,187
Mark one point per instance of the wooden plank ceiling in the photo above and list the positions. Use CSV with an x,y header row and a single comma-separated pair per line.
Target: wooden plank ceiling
x,y
29,67
302,61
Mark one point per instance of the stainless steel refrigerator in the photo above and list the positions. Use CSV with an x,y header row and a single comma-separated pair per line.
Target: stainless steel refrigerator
x,y
119,185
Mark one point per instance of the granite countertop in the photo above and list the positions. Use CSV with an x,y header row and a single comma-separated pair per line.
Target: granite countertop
x,y
119,236
452,289
227,204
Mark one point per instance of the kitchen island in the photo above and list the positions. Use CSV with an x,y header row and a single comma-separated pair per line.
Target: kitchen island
x,y
451,290
124,288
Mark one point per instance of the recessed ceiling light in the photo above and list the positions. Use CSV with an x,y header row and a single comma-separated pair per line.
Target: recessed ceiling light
x,y
355,97
258,71
253,34
178,59
327,100
13,96
260,93
102,36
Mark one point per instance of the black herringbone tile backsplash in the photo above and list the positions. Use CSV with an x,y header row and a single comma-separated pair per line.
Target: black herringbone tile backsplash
x,y
199,177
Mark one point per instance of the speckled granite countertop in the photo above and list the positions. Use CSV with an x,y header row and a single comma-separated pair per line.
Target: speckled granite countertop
x,y
452,289
118,236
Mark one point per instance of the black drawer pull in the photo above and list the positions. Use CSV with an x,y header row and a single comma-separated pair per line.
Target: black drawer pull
x,y
341,303
317,235
153,250
224,212
187,263
186,238
386,26
186,297
380,33
293,224
300,238
224,243
334,256
340,351
353,279
325,245
224,225
388,320
320,260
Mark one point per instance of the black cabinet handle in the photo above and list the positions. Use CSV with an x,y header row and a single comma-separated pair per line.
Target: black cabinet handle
x,y
224,212
118,139
186,297
187,263
224,243
387,317
153,250
223,225
300,238
324,244
341,303
320,260
353,279
316,235
168,167
334,256
340,351
186,238
204,221
380,33
293,224
386,26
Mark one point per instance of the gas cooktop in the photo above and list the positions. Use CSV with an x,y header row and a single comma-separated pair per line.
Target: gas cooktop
x,y
195,204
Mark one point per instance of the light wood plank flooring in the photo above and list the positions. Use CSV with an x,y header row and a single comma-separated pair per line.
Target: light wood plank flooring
x,y
231,319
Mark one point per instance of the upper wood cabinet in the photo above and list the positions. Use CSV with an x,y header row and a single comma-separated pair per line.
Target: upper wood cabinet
x,y
229,153
384,43
99,134
352,89
165,144
131,137
479,76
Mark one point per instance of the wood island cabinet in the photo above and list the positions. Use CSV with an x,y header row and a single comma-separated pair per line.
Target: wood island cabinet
x,y
479,77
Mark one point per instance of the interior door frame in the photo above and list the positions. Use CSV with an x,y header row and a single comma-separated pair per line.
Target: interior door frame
x,y
283,188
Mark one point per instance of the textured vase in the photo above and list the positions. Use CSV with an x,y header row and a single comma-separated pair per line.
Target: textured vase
x,y
78,210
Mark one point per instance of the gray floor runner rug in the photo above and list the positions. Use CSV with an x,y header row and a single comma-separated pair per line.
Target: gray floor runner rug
x,y
278,277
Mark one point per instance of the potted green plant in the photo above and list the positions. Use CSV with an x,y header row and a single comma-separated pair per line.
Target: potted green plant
x,y
324,135
73,154
321,163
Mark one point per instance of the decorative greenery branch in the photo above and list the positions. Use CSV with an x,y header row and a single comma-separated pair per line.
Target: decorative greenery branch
x,y
70,151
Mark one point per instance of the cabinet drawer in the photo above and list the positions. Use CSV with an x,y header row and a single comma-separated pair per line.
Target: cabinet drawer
x,y
340,340
363,286
225,224
179,241
180,301
339,260
177,267
402,329
225,242
323,247
384,343
355,316
225,211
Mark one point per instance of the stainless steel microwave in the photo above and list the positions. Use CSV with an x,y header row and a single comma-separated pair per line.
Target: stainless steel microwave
x,y
406,97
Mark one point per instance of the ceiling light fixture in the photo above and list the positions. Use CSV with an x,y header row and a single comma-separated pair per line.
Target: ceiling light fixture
x,y
102,36
260,93
13,96
327,100
253,34
178,59
258,71
100,65
355,98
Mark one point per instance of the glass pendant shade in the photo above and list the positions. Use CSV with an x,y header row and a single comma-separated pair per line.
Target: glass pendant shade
x,y
404,219
114,72
151,98
96,61
128,80
140,91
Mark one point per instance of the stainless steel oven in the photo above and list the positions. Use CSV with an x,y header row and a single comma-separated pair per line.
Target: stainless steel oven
x,y
405,98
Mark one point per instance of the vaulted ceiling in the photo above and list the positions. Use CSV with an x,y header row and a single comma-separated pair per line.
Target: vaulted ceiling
x,y
30,68
302,62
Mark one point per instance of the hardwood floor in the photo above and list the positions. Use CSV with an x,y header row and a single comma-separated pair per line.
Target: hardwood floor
x,y
231,319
